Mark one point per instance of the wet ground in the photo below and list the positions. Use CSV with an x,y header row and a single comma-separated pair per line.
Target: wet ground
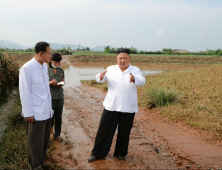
x,y
155,143
4,109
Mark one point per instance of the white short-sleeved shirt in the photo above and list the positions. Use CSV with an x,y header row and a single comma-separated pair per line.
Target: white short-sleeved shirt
x,y
122,95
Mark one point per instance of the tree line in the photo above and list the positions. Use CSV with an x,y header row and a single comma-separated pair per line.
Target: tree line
x,y
133,50
63,51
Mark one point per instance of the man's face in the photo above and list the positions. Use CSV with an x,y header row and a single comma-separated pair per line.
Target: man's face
x,y
123,60
45,56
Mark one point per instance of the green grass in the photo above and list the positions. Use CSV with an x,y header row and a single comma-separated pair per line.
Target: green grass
x,y
102,86
13,145
200,102
158,97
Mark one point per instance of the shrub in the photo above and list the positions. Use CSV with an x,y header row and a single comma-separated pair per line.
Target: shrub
x,y
158,97
9,75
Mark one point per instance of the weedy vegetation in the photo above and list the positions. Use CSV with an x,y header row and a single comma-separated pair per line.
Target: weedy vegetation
x,y
9,73
198,94
191,96
13,142
158,97
150,58
102,86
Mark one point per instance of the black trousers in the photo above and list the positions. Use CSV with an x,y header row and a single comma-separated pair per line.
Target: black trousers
x,y
38,134
57,106
106,131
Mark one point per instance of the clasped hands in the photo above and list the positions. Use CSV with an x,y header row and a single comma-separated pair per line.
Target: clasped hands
x,y
132,78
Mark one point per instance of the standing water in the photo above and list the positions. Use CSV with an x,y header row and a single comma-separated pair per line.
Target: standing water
x,y
74,74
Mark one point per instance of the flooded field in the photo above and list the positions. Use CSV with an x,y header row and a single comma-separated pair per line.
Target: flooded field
x,y
78,71
74,73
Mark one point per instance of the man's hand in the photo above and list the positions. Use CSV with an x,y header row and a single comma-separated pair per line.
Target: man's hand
x,y
102,75
132,78
29,119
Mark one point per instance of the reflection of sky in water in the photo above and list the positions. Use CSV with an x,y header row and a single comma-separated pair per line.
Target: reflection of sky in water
x,y
74,74
147,72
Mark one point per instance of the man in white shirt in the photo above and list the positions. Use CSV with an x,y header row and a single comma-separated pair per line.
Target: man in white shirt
x,y
36,103
120,106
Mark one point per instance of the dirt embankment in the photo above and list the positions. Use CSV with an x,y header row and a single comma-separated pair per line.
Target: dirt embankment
x,y
155,143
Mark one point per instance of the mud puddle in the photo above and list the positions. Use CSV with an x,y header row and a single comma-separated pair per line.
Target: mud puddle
x,y
81,116
154,144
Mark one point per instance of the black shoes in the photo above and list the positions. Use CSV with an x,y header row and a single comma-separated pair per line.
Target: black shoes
x,y
92,159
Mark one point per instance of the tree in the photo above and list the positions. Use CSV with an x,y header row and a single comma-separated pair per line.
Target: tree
x,y
133,50
167,50
69,49
107,49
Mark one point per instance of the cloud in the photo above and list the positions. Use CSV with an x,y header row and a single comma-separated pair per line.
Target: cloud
x,y
145,24
161,32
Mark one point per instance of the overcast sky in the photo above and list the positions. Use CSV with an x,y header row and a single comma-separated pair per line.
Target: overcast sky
x,y
194,25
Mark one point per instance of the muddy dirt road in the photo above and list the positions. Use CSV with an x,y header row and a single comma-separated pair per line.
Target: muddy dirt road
x,y
154,143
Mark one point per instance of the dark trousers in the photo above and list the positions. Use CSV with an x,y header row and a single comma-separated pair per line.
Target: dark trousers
x,y
106,131
57,106
38,134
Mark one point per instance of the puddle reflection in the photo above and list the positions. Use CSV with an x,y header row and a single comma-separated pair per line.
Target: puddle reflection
x,y
74,74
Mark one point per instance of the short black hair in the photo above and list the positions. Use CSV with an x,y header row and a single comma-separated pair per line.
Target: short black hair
x,y
55,57
122,50
41,47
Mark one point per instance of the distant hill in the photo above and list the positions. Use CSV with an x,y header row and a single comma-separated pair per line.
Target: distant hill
x,y
60,46
12,45
100,48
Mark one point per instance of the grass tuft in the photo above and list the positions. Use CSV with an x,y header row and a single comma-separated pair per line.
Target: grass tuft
x,y
158,97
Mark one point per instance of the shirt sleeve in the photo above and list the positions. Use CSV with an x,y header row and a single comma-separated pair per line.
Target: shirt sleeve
x,y
25,92
98,78
139,79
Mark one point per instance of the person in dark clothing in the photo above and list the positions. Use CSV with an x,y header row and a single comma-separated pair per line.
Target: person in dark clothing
x,y
56,73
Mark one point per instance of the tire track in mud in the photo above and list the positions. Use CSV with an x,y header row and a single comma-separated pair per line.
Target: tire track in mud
x,y
81,116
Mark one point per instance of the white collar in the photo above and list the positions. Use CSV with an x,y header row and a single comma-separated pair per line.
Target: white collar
x,y
128,69
37,63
